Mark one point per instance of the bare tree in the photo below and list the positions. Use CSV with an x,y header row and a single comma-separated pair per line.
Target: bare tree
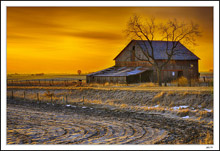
x,y
172,30
79,72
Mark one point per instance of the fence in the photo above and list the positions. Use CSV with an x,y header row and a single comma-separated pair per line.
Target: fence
x,y
43,82
36,97
45,97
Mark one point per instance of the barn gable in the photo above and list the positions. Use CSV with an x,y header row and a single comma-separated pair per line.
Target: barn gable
x,y
182,53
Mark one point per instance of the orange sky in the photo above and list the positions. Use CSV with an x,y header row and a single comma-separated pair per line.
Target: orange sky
x,y
65,39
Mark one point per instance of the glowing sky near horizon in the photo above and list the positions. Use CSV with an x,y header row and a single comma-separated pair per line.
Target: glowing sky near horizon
x,y
65,39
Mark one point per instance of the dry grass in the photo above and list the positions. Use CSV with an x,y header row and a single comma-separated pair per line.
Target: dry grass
x,y
93,101
156,109
124,106
210,123
207,140
158,96
205,113
172,103
48,94
111,103
170,93
122,99
182,81
150,84
183,112
204,104
107,84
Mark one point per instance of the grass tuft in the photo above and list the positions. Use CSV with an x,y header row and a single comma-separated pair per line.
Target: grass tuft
x,y
158,96
183,112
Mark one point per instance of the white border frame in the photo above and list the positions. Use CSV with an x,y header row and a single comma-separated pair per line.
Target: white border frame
x,y
5,4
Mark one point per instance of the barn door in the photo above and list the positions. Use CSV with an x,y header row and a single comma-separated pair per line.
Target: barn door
x,y
180,74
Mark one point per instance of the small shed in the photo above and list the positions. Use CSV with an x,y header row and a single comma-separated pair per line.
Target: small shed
x,y
121,75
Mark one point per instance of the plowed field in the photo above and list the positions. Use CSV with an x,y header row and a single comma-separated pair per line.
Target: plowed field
x,y
32,123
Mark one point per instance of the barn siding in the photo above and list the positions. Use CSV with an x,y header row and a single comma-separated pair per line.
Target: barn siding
x,y
105,79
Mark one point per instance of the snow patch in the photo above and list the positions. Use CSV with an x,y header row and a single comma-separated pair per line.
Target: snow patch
x,y
175,108
84,107
180,107
186,116
67,105
194,110
156,105
208,110
183,106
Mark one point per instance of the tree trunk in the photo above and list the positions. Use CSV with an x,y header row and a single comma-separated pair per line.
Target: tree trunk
x,y
159,76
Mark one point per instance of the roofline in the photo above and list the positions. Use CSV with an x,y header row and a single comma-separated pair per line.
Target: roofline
x,y
154,40
190,51
99,71
124,48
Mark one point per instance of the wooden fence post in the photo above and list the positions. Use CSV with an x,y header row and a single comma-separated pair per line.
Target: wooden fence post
x,y
51,99
24,95
12,95
38,98
66,99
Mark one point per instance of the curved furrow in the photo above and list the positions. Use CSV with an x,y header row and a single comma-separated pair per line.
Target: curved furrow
x,y
73,132
124,133
99,140
139,133
119,131
89,132
36,127
150,137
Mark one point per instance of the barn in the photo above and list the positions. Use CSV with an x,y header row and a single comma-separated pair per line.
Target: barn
x,y
131,65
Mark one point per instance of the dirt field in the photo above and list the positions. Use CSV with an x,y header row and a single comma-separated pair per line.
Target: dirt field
x,y
109,115
32,123
37,126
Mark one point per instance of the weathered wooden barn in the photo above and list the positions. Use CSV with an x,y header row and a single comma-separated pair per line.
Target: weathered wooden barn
x,y
129,69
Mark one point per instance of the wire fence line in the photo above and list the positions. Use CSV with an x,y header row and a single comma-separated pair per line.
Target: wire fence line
x,y
44,82
39,97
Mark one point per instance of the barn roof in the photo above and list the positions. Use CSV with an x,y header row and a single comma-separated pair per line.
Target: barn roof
x,y
119,71
182,53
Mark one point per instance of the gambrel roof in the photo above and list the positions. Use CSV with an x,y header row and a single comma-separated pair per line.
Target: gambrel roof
x,y
181,52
